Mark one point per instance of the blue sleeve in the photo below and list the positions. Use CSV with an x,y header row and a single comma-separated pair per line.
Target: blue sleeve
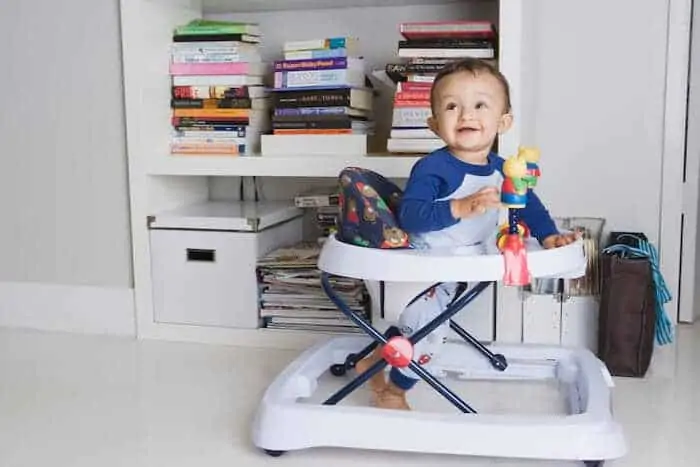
x,y
537,218
420,211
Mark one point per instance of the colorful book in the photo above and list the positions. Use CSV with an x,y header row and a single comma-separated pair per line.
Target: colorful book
x,y
232,68
203,26
320,64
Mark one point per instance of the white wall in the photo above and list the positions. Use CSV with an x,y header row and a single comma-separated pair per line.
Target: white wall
x,y
691,244
597,74
63,191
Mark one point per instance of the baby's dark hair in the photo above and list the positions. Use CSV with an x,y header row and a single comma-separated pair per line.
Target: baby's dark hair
x,y
473,66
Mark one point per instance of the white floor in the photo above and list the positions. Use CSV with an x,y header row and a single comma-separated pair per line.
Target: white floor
x,y
74,401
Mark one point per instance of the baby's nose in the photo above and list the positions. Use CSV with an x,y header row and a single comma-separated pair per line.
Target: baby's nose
x,y
466,113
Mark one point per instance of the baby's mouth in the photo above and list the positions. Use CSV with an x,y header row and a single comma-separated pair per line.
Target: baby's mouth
x,y
467,129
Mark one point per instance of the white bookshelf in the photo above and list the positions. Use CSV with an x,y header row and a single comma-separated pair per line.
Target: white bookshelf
x,y
159,181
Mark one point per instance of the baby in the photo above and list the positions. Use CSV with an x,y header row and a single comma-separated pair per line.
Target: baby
x,y
452,199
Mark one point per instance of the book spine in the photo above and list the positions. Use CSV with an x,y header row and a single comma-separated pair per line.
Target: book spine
x,y
445,44
311,124
314,131
210,127
235,68
208,139
404,68
209,121
216,38
329,43
209,57
412,96
209,92
319,64
406,86
315,54
212,46
210,134
299,79
205,113
207,148
302,111
412,103
412,117
235,103
332,98
213,80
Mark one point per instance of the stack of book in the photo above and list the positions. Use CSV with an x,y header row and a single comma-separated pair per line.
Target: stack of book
x,y
324,206
218,101
321,98
291,296
426,48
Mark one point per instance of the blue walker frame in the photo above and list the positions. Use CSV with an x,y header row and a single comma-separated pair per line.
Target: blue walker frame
x,y
461,300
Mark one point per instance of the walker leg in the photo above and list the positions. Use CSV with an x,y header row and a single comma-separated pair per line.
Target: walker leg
x,y
451,310
498,361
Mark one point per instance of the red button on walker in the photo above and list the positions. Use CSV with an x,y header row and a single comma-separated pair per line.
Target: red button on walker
x,y
398,352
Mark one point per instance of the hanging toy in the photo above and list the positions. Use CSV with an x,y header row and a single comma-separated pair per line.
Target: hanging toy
x,y
512,242
531,157
514,187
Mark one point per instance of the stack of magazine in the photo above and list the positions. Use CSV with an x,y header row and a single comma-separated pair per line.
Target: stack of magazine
x,y
291,296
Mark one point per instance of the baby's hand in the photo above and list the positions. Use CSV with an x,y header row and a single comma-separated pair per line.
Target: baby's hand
x,y
476,204
557,240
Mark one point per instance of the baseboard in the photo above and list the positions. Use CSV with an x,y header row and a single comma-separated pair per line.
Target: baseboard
x,y
67,308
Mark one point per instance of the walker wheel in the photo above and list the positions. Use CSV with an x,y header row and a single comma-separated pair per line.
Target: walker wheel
x,y
272,453
338,369
499,362
593,463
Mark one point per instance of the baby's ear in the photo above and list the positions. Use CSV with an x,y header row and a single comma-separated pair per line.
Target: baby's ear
x,y
505,123
433,125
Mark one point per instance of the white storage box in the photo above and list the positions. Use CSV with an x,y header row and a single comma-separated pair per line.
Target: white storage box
x,y
203,259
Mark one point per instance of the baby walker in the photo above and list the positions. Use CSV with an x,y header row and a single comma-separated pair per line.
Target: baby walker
x,y
287,421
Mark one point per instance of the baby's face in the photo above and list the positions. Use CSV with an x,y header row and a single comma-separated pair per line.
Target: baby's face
x,y
470,111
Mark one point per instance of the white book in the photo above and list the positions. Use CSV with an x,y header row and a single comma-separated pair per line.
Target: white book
x,y
414,133
447,53
410,117
313,78
414,145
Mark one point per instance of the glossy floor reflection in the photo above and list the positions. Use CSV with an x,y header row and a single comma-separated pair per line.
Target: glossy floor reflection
x,y
78,401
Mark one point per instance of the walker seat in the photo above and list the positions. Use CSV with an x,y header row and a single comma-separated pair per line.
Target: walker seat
x,y
287,420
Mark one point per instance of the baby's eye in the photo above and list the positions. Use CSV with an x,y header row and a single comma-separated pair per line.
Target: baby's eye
x,y
451,106
481,105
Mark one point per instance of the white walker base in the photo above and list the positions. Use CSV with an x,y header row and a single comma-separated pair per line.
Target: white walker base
x,y
289,418
287,421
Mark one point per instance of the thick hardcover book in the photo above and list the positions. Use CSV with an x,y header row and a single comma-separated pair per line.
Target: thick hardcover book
x,y
326,43
234,103
342,97
446,44
221,68
319,64
325,117
449,29
216,38
217,92
332,124
312,112
308,78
